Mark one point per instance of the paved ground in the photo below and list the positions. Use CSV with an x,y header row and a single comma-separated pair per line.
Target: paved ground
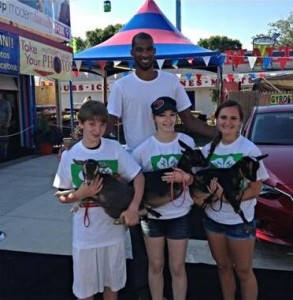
x,y
35,261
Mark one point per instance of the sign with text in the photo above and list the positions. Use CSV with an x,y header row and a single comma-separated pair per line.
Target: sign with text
x,y
43,60
46,17
203,82
9,53
82,86
281,98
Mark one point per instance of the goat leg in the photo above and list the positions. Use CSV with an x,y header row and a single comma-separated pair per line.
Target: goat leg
x,y
64,193
207,201
210,199
153,212
239,211
142,213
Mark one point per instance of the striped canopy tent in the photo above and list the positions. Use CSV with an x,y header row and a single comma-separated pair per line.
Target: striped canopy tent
x,y
169,42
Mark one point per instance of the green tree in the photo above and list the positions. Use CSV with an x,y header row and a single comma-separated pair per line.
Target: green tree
x,y
284,27
77,44
220,43
94,37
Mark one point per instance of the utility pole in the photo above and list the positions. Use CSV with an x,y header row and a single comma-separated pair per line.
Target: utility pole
x,y
178,14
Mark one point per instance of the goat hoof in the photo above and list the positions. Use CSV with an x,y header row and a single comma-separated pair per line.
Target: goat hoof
x,y
117,222
74,209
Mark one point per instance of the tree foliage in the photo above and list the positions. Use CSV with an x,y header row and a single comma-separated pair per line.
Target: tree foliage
x,y
284,27
94,37
220,43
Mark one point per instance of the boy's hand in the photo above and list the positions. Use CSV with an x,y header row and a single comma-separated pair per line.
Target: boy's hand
x,y
90,190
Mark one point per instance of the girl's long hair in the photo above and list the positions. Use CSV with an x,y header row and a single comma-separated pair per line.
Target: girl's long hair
x,y
216,140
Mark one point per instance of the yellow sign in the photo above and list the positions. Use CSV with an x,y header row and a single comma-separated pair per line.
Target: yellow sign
x,y
43,60
281,98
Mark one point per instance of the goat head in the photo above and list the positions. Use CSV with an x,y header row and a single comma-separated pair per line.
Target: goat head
x,y
230,179
115,195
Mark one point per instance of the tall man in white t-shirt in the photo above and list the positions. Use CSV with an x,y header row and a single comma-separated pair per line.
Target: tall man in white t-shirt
x,y
130,100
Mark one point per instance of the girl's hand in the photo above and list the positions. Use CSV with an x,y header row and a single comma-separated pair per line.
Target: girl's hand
x,y
177,175
130,217
216,189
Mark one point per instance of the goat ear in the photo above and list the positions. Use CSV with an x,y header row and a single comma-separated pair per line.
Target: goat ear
x,y
102,165
183,145
78,162
258,158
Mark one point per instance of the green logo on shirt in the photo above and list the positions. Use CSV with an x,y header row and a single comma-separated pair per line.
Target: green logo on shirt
x,y
160,162
225,161
108,167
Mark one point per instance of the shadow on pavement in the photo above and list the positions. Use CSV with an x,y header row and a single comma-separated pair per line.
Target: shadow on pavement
x,y
29,276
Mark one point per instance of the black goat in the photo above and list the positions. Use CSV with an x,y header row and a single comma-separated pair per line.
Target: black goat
x,y
230,180
116,195
158,192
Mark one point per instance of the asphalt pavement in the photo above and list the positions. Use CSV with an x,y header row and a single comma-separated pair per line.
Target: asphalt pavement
x,y
35,256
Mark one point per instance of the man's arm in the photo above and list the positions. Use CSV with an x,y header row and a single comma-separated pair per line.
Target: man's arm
x,y
112,121
196,125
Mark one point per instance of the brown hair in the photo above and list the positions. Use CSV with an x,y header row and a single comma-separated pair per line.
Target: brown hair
x,y
91,110
216,140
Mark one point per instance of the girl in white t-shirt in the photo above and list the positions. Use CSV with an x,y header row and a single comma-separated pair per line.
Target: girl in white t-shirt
x,y
231,244
161,151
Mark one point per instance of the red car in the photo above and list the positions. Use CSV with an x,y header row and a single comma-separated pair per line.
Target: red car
x,y
271,129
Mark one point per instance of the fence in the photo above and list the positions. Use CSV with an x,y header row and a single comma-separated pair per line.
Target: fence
x,y
249,99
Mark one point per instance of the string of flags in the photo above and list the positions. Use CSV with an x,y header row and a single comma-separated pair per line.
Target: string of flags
x,y
265,62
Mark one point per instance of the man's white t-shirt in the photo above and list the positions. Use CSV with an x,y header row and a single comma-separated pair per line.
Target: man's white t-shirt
x,y
225,156
101,231
131,99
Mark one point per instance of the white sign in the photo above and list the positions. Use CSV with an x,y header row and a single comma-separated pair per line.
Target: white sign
x,y
38,16
43,60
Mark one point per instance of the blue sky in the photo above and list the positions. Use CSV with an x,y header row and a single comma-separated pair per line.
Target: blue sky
x,y
235,19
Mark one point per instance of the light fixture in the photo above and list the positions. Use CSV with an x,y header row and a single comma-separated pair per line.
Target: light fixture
x,y
107,6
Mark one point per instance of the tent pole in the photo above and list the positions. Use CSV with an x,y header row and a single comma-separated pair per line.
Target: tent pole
x,y
59,121
178,14
220,84
105,83
71,108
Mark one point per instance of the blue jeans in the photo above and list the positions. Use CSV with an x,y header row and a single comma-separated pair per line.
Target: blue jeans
x,y
235,231
176,229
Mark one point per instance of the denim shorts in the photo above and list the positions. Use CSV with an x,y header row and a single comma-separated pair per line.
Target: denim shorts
x,y
235,231
174,229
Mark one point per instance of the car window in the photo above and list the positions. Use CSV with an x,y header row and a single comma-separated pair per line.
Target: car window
x,y
273,128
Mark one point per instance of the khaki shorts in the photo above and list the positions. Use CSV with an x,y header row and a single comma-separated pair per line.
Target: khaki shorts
x,y
96,268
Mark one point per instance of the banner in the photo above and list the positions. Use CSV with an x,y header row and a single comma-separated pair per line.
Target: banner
x,y
44,17
263,47
9,53
43,60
